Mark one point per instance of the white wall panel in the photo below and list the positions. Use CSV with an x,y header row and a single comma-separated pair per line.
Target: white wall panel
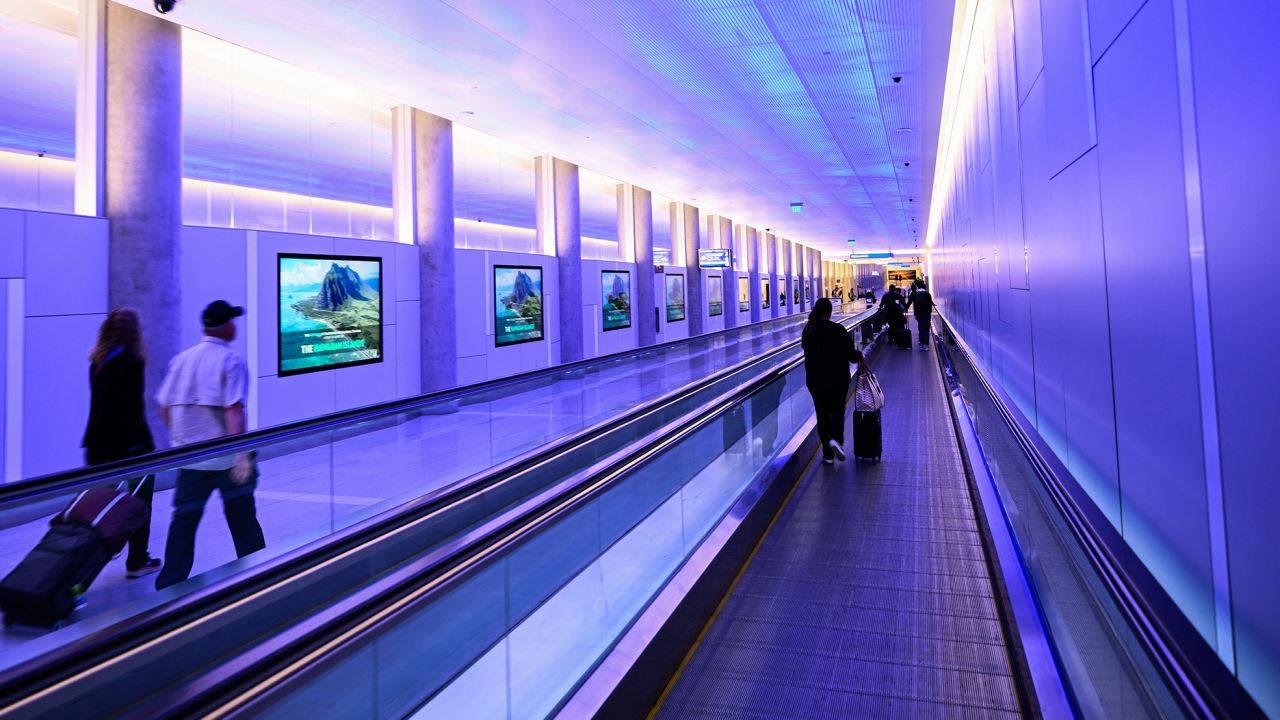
x,y
475,303
1157,405
1028,44
1236,64
1068,82
1114,176
55,390
66,260
1085,333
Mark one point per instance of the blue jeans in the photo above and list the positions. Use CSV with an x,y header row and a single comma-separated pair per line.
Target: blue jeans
x,y
189,498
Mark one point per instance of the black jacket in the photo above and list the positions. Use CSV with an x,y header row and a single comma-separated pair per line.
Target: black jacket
x,y
922,300
828,350
117,426
891,310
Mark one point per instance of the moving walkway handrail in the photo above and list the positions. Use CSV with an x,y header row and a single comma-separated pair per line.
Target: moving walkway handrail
x,y
53,668
237,684
67,480
1188,663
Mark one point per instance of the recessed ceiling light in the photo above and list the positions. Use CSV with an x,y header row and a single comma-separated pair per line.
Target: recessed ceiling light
x,y
468,112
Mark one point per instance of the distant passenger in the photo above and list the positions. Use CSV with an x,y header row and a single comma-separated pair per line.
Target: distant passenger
x,y
892,310
838,293
923,303
117,427
203,397
828,351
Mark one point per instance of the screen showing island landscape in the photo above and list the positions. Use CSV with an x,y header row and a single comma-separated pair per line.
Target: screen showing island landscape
x,y
675,298
615,305
715,295
517,307
744,295
764,293
330,312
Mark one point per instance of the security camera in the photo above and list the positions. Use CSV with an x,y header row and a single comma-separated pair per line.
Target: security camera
x,y
896,78
164,6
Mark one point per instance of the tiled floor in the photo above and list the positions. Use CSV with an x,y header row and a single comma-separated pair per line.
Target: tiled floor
x,y
869,597
320,484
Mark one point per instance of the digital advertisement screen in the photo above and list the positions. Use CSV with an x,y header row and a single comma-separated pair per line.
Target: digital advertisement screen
x,y
661,256
765,295
796,295
715,295
615,304
675,298
330,312
517,306
713,257
808,292
744,295
782,296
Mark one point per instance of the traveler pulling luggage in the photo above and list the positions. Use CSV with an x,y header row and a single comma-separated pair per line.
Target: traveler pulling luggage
x,y
45,587
868,400
903,337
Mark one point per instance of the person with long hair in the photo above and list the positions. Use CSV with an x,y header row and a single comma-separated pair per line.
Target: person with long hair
x,y
828,352
117,426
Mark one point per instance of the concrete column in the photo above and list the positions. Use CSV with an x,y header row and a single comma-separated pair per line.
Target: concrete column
x,y
729,275
771,249
788,269
422,202
642,306
753,270
143,182
567,210
695,302
803,273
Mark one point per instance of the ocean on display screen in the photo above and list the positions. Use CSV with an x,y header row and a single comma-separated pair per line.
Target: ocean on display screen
x,y
330,311
517,306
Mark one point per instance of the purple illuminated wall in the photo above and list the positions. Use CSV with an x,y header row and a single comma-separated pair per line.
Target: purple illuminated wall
x,y
1103,225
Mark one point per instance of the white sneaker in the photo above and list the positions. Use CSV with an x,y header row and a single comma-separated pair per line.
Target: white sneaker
x,y
828,461
835,448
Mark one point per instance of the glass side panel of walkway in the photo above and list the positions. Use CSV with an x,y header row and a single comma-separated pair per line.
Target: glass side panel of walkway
x,y
314,483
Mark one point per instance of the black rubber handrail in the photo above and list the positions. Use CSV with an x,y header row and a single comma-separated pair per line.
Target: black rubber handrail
x,y
1188,664
67,480
290,657
85,654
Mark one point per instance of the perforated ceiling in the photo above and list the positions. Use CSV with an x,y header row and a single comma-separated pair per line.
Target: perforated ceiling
x,y
738,106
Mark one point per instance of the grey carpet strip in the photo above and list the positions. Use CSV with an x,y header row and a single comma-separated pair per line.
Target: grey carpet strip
x,y
870,596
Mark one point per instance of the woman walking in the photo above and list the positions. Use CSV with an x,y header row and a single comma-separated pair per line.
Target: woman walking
x,y
828,352
117,427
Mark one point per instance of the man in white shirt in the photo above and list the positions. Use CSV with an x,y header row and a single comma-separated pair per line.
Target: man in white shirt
x,y
202,398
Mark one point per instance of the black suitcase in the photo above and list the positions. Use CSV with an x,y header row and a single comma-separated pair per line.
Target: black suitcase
x,y
41,590
867,438
904,338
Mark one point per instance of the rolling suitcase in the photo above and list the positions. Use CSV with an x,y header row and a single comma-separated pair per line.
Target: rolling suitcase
x,y
867,438
42,589
868,399
903,337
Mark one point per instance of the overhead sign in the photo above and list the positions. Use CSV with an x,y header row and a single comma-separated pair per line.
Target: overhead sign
x,y
661,256
871,256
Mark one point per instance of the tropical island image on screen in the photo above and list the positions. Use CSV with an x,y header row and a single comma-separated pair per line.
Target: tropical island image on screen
x,y
517,304
330,312
615,308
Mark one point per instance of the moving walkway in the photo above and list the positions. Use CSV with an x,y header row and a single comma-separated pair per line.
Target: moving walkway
x,y
171,638
717,570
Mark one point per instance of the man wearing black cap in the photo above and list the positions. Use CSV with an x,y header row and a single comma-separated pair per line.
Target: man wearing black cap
x,y
202,398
